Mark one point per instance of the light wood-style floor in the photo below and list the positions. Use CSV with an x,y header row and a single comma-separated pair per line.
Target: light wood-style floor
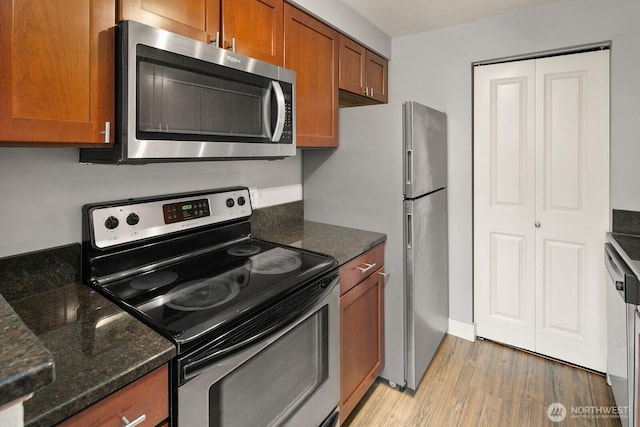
x,y
487,384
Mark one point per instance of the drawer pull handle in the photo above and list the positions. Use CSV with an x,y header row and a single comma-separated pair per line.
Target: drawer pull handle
x,y
384,275
367,268
127,423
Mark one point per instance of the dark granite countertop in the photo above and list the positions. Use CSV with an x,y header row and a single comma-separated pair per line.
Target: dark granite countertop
x,y
628,246
25,364
343,243
50,321
97,347
626,237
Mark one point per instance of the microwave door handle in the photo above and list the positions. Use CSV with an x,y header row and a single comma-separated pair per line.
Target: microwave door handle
x,y
277,132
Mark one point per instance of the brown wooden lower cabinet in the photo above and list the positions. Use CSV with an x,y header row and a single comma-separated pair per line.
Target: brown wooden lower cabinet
x,y
361,330
148,396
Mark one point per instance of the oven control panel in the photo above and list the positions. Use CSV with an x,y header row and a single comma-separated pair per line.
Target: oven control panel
x,y
126,223
185,211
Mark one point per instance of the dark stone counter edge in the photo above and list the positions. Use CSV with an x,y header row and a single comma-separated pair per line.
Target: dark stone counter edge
x,y
356,252
35,366
26,382
93,395
634,265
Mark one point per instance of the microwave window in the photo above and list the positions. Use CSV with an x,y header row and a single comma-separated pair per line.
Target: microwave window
x,y
172,100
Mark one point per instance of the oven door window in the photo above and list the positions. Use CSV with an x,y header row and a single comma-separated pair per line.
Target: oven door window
x,y
273,384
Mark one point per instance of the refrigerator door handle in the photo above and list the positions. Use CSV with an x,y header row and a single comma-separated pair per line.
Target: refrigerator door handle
x,y
409,231
409,167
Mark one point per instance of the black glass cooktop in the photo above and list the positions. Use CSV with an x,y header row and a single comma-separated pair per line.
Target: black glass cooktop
x,y
190,299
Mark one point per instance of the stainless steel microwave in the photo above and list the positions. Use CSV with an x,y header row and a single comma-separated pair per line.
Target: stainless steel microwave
x,y
178,99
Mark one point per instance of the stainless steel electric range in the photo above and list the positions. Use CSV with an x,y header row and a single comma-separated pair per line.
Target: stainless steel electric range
x,y
255,324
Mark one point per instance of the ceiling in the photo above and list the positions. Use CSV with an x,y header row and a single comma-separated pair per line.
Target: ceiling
x,y
402,17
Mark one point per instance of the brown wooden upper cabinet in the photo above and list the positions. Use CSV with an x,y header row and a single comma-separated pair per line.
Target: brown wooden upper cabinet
x,y
311,50
256,26
250,27
363,74
56,71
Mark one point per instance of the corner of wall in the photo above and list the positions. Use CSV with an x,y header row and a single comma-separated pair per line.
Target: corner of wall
x,y
462,330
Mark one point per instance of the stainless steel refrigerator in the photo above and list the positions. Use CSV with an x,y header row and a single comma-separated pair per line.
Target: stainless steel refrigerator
x,y
389,175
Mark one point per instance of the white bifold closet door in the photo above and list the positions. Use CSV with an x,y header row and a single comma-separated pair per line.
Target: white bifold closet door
x,y
541,204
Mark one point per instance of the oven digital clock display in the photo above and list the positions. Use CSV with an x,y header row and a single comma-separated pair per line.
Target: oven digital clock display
x,y
184,211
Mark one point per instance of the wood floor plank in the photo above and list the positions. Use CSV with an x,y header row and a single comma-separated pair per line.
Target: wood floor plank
x,y
487,384
598,387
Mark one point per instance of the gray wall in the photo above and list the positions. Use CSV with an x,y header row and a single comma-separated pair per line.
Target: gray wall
x,y
43,189
435,68
348,21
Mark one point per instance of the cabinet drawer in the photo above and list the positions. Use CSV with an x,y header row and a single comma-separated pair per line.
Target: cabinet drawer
x,y
149,396
361,267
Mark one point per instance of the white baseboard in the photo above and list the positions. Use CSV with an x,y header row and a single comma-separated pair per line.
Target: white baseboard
x,y
462,330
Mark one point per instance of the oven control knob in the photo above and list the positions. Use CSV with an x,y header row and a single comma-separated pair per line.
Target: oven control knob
x,y
111,222
133,219
230,202
241,201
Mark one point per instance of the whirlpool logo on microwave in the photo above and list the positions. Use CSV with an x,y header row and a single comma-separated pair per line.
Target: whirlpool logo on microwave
x,y
233,59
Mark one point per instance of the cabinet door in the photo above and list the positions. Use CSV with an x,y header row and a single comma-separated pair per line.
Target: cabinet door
x,y
256,26
197,19
352,66
56,70
376,69
311,50
361,340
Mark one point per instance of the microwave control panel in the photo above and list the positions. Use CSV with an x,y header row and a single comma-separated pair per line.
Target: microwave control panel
x,y
287,131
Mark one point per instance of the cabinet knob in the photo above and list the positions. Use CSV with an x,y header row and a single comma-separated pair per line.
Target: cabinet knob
x,y
537,224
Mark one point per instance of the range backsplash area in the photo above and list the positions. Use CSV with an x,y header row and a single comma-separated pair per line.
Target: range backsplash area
x,y
626,222
42,190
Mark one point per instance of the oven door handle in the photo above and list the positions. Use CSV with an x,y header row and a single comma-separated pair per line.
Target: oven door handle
x,y
624,279
614,266
277,317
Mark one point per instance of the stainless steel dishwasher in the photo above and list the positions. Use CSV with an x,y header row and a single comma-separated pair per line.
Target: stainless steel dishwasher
x,y
622,301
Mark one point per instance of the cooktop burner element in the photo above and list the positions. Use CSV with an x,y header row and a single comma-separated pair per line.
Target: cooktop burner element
x,y
274,261
203,294
243,250
153,280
